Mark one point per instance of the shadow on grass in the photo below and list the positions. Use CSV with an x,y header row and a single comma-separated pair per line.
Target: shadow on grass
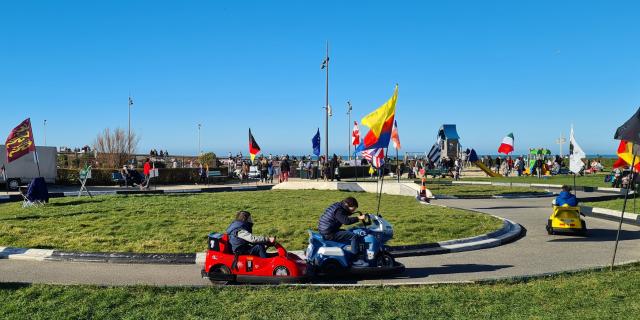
x,y
598,235
14,285
75,202
36,217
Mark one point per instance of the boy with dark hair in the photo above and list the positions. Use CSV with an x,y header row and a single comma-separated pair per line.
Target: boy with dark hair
x,y
243,241
337,215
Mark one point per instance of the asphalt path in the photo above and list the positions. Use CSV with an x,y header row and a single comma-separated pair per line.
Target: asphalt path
x,y
536,253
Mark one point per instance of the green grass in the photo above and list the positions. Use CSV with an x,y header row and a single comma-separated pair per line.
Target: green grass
x,y
617,204
479,190
180,223
585,295
594,180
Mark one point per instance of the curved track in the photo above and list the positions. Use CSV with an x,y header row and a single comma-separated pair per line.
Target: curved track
x,y
536,253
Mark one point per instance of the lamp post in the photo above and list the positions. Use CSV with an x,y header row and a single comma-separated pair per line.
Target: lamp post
x,y
325,64
561,141
129,130
349,108
45,132
199,149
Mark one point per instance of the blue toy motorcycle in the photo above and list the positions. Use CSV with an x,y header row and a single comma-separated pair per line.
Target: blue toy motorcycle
x,y
335,258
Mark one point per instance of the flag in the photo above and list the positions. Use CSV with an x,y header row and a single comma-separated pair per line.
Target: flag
x,y
434,153
625,156
20,141
628,131
254,148
395,138
375,156
506,146
380,123
355,134
316,143
575,155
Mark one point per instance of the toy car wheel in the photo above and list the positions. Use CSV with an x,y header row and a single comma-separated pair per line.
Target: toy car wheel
x,y
281,271
549,228
385,259
219,269
331,268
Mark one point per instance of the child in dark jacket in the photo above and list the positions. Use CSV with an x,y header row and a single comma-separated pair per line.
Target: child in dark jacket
x,y
243,241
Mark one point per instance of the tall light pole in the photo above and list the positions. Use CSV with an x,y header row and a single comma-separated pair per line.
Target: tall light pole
x,y
45,132
349,108
199,149
561,141
129,130
325,64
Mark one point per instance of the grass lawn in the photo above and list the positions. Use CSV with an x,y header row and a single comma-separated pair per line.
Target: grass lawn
x,y
594,180
180,223
617,204
586,295
479,190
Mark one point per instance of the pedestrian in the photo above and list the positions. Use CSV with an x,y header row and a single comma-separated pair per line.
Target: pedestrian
x,y
285,167
270,170
146,170
264,169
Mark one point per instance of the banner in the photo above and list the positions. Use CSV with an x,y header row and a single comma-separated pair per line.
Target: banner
x,y
575,155
316,143
20,141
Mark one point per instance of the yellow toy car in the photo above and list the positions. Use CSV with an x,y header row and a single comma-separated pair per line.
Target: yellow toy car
x,y
566,219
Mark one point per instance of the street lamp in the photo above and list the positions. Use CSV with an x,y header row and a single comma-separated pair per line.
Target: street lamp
x,y
349,108
129,130
45,132
325,64
561,141
199,149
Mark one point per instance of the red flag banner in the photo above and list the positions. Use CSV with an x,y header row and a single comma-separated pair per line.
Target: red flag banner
x,y
20,141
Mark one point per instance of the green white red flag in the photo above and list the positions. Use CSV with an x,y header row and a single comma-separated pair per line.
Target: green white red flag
x,y
506,146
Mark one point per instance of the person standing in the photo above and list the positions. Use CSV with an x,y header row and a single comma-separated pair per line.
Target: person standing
x,y
270,170
146,170
264,169
285,167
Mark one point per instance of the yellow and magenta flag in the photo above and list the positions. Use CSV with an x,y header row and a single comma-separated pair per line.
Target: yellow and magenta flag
x,y
380,123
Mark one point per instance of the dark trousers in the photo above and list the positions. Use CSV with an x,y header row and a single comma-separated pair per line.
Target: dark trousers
x,y
345,237
258,250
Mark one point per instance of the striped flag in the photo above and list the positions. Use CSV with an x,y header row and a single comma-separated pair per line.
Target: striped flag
x,y
434,153
375,156
254,148
395,138
506,146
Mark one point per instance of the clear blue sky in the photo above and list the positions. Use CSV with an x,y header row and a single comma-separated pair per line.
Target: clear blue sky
x,y
491,67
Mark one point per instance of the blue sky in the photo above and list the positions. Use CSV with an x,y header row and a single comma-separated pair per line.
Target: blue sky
x,y
491,67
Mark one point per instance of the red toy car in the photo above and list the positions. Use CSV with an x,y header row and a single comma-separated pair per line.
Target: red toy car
x,y
280,267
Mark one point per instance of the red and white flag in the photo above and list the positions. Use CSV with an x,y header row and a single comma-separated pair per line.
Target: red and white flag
x,y
375,156
355,134
506,146
395,138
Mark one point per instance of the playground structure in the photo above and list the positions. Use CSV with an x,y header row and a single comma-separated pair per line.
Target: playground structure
x,y
531,158
449,142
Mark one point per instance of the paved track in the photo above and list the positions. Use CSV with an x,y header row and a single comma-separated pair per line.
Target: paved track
x,y
536,253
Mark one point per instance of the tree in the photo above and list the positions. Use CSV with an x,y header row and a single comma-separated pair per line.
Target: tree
x,y
112,149
208,159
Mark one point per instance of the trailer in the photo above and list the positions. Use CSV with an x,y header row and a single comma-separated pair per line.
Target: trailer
x,y
23,170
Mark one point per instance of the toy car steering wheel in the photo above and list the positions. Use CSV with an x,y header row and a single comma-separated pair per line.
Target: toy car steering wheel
x,y
367,220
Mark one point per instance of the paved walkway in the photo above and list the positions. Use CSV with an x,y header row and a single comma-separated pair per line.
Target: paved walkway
x,y
536,253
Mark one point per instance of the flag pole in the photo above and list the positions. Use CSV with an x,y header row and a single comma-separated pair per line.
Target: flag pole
x,y
37,160
624,205
398,165
381,175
